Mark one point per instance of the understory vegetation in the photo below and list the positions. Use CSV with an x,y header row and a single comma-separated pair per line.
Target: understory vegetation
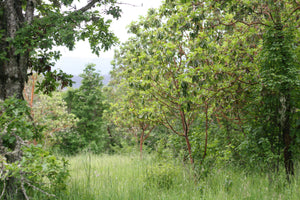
x,y
116,177
203,102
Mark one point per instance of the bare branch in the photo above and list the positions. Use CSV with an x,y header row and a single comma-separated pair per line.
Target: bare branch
x,y
128,4
149,133
38,189
253,23
240,21
169,126
270,15
92,3
298,8
23,188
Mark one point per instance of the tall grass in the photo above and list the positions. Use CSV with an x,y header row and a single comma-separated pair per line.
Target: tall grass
x,y
127,177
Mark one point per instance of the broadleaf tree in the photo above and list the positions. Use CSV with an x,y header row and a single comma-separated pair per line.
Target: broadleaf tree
x,y
51,112
30,29
276,24
177,66
222,57
132,111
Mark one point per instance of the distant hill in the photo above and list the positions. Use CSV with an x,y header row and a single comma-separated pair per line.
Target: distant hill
x,y
78,79
106,79
76,66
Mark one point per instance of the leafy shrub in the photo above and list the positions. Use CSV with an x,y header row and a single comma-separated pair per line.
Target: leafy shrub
x,y
161,176
52,113
69,142
26,169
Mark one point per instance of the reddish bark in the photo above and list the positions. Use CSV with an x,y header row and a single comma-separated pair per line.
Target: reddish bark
x,y
206,129
143,137
189,149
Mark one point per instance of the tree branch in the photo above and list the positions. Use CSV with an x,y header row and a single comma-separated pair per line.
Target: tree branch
x,y
128,4
298,8
169,126
253,23
149,133
30,11
36,188
88,6
23,188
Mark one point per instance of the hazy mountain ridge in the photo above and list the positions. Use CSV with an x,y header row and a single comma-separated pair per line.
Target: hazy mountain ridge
x,y
77,80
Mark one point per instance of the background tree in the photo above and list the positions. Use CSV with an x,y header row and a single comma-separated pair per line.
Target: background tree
x,y
154,61
87,104
268,110
276,22
51,112
132,112
176,63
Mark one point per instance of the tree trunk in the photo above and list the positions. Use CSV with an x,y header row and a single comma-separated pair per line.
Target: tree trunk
x,y
13,76
287,139
189,148
111,139
13,73
206,130
143,137
13,69
185,128
141,144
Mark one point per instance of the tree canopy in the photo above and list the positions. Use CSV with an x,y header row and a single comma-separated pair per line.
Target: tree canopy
x,y
230,63
30,29
87,104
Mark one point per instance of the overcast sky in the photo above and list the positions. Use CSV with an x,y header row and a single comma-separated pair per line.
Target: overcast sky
x,y
73,62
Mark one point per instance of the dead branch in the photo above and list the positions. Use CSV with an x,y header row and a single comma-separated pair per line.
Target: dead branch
x,y
129,4
23,188
38,189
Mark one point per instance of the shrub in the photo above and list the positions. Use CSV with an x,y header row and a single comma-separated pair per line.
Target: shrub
x,y
26,169
161,176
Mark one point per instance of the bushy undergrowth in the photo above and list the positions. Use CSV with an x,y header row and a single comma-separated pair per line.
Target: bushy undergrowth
x,y
161,175
116,177
26,170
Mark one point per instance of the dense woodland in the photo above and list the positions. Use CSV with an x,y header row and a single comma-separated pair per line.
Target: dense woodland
x,y
203,84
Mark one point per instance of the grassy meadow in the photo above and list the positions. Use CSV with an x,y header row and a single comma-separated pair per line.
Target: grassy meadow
x,y
114,177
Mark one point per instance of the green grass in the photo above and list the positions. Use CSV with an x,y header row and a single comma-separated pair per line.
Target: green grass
x,y
127,177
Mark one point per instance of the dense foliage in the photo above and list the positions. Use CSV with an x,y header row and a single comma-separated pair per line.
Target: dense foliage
x,y
86,103
30,168
222,74
30,29
210,83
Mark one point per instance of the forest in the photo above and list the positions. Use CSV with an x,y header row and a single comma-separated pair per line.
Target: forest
x,y
203,102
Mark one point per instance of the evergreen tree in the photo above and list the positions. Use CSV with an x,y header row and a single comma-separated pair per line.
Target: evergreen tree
x,y
86,103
